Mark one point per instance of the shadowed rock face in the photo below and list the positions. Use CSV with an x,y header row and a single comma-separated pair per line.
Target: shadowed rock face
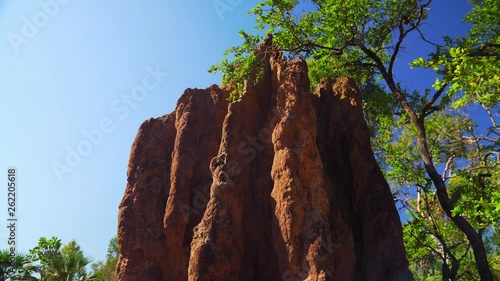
x,y
280,185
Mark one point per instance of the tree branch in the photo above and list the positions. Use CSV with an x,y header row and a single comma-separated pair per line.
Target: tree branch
x,y
448,168
428,107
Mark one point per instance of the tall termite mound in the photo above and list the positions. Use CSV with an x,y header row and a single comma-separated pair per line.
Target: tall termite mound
x,y
279,185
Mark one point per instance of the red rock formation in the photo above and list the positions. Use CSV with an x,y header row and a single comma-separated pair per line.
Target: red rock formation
x,y
280,185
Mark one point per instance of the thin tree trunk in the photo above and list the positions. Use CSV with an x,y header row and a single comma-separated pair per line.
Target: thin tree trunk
x,y
472,235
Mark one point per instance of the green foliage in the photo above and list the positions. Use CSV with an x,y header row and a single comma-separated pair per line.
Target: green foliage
x,y
472,186
471,64
477,196
436,248
381,114
46,251
244,66
60,264
330,33
18,270
105,271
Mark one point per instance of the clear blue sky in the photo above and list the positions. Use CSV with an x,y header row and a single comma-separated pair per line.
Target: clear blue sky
x,y
76,73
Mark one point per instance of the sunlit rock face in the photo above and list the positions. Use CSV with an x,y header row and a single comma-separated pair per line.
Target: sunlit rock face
x,y
279,185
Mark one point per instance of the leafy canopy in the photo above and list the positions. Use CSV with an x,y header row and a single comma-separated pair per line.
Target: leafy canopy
x,y
58,262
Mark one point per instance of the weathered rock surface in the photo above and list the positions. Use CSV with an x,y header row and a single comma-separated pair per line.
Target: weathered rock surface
x,y
280,185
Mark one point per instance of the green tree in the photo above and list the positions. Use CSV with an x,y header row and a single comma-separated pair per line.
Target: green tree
x,y
20,269
472,186
60,263
435,248
105,271
365,37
